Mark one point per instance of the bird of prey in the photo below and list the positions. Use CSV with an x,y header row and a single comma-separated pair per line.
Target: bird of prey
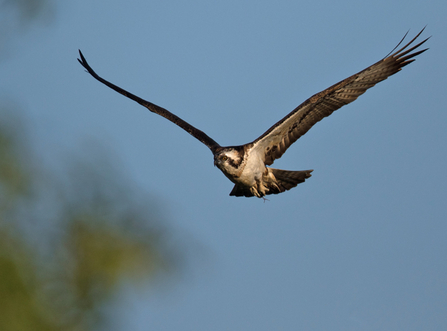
x,y
246,165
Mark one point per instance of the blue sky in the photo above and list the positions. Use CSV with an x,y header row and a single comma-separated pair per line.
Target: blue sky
x,y
360,246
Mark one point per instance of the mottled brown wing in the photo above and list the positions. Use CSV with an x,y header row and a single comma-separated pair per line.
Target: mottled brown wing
x,y
275,141
200,135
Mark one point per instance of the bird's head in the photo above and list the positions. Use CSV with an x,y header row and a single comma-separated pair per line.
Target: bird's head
x,y
228,159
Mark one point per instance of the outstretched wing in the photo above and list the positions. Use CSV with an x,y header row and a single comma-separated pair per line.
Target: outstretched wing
x,y
275,141
200,135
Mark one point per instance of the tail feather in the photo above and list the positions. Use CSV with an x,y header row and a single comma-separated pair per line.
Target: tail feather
x,y
286,179
241,191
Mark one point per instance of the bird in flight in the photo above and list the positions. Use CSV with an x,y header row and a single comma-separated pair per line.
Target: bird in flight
x,y
246,165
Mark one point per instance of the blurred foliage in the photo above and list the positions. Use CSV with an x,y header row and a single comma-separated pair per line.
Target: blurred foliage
x,y
18,305
12,179
69,236
66,244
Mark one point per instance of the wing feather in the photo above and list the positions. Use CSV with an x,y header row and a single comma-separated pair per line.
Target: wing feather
x,y
275,141
196,133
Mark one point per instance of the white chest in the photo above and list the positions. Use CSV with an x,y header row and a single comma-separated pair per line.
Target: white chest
x,y
253,170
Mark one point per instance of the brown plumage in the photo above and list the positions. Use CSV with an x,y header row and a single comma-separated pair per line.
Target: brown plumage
x,y
284,133
245,165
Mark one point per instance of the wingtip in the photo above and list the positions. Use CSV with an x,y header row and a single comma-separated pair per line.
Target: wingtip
x,y
84,63
82,58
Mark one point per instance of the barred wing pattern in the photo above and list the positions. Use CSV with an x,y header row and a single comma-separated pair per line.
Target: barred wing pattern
x,y
275,141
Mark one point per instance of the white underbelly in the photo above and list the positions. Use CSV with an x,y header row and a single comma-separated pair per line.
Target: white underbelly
x,y
253,171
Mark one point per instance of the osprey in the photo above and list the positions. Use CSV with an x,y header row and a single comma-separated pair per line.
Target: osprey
x,y
246,165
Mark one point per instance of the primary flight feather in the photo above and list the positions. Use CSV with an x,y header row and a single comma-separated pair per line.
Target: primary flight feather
x,y
246,165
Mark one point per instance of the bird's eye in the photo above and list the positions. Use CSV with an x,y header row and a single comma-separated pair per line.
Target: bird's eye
x,y
224,158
